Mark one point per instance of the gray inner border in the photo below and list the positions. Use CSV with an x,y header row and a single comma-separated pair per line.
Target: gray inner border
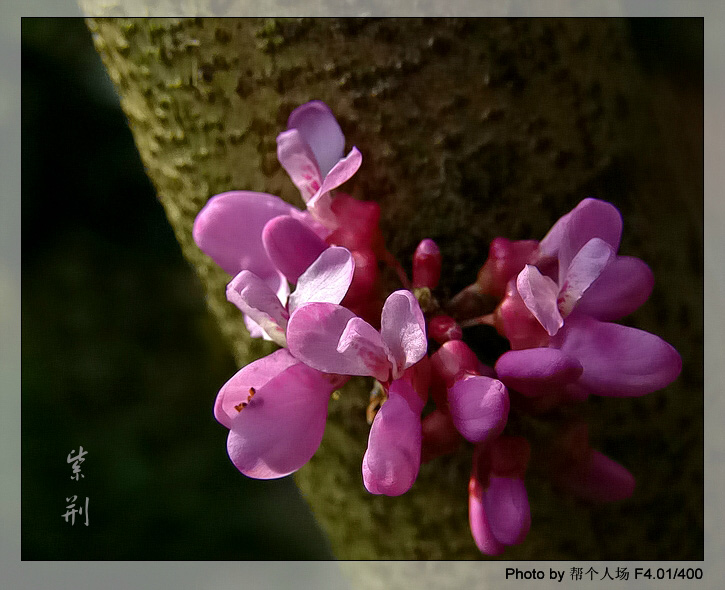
x,y
18,575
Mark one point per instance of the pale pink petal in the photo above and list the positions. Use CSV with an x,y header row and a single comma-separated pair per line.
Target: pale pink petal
x,y
622,287
229,230
479,407
537,371
360,341
254,330
586,267
341,172
506,504
392,459
315,331
403,330
320,130
618,361
591,218
551,242
297,159
291,245
256,375
326,280
281,426
252,295
539,293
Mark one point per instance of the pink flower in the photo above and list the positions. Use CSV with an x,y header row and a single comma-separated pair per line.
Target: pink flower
x,y
275,409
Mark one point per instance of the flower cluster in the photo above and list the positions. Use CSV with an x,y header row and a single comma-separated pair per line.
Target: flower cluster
x,y
556,302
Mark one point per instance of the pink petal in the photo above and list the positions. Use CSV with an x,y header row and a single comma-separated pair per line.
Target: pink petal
x,y
256,374
315,331
591,218
551,242
360,341
297,159
341,172
403,330
622,287
479,407
507,507
326,280
320,131
618,361
540,294
584,269
252,295
597,479
480,521
229,230
282,425
453,360
291,245
392,459
427,264
537,371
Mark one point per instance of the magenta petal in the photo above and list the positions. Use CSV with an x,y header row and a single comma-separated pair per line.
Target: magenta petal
x,y
507,506
326,280
362,343
618,361
537,371
480,522
256,374
291,245
622,287
229,230
584,269
479,407
540,294
320,131
282,425
403,330
252,295
598,479
591,218
297,159
392,459
313,334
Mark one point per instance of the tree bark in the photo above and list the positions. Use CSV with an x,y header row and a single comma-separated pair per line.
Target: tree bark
x,y
469,129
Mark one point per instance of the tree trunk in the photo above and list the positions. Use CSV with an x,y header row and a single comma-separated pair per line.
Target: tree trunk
x,y
469,129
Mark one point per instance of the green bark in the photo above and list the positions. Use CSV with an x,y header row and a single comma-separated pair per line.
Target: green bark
x,y
469,129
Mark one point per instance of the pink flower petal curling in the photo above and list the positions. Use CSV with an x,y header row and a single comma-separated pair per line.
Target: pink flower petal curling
x,y
282,425
291,245
320,130
597,478
258,302
229,230
326,280
479,407
618,361
586,267
315,331
537,371
624,285
340,173
540,294
591,218
299,162
256,375
392,460
506,505
403,330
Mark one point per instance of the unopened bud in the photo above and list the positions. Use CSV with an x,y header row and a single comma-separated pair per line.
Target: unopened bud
x,y
426,265
443,328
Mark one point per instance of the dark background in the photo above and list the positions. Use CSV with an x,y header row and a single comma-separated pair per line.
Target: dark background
x,y
119,355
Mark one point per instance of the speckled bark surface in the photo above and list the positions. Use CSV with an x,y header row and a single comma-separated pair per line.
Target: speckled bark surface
x,y
469,129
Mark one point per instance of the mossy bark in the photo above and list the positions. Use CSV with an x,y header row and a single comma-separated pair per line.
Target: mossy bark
x,y
469,129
